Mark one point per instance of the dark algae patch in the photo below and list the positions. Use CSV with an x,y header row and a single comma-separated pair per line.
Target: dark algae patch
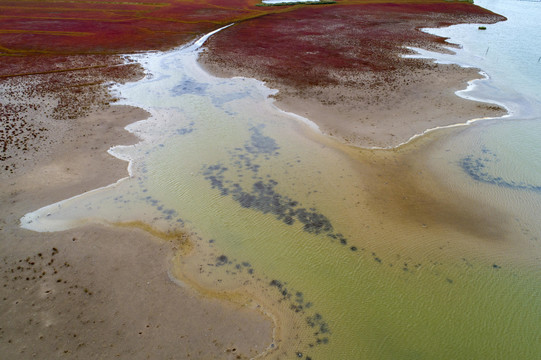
x,y
263,196
221,260
314,320
189,87
261,144
186,130
294,299
477,169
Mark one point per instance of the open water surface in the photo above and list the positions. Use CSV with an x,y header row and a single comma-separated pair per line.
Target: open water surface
x,y
288,215
499,160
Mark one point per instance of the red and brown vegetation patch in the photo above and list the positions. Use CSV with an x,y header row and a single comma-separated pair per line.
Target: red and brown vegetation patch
x,y
312,45
341,66
62,27
68,27
55,56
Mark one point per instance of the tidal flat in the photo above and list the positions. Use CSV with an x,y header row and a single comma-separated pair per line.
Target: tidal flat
x,y
353,252
312,248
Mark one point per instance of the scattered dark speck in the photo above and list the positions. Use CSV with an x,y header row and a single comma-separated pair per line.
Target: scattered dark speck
x,y
221,260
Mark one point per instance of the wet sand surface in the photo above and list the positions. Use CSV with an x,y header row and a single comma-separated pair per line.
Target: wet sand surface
x,y
98,289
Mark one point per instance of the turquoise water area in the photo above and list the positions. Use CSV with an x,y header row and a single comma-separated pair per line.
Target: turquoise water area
x,y
284,213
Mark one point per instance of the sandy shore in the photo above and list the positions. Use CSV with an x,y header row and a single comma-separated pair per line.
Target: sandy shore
x,y
388,115
425,100
98,291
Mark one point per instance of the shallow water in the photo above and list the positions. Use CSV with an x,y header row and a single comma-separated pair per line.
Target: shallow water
x,y
501,158
359,253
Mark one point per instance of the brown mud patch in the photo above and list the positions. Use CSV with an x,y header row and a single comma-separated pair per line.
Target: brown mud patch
x,y
105,291
37,110
408,211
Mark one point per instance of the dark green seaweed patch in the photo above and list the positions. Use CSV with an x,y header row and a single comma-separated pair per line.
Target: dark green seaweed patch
x,y
220,99
246,157
186,130
298,304
476,168
233,267
263,196
261,144
215,175
342,239
189,86
221,260
168,213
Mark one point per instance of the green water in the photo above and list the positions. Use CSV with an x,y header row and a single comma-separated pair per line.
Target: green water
x,y
283,212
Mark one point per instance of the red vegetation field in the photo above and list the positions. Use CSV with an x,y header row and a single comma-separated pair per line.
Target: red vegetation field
x,y
56,54
310,45
65,27
58,27
53,26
